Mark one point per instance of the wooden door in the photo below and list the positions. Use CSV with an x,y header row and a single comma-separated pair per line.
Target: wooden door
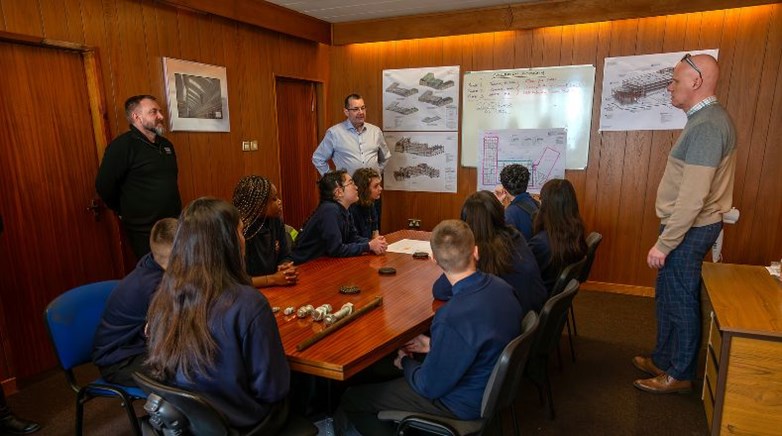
x,y
48,161
297,121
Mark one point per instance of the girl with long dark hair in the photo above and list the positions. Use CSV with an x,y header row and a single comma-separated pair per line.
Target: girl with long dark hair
x,y
559,234
329,230
502,251
209,330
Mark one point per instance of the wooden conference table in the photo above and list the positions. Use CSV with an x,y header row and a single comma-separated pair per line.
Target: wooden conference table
x,y
407,309
742,388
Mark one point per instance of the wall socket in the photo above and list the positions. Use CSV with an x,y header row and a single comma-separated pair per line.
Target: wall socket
x,y
413,223
245,145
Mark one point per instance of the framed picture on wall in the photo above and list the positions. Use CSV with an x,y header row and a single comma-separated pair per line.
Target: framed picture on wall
x,y
197,96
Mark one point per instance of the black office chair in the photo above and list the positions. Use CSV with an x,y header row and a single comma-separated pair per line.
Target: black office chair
x,y
570,272
174,412
552,321
593,241
500,392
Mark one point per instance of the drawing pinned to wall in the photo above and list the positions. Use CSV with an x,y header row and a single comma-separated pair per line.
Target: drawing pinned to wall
x,y
635,94
197,96
542,151
421,99
421,161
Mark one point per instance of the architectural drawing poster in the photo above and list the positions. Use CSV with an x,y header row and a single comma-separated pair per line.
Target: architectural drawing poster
x,y
635,94
421,99
421,161
542,151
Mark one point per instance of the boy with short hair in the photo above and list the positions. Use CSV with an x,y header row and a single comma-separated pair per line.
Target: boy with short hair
x,y
522,209
120,345
468,336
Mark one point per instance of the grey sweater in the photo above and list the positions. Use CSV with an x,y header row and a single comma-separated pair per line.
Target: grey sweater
x,y
697,186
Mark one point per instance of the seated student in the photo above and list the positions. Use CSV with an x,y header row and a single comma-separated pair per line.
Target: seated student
x,y
559,231
209,330
504,252
120,345
522,208
468,335
268,255
330,231
363,212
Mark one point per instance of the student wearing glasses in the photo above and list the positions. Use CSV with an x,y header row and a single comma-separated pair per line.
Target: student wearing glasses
x,y
695,190
329,231
353,143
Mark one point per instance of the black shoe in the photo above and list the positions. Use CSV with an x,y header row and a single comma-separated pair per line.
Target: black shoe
x,y
13,425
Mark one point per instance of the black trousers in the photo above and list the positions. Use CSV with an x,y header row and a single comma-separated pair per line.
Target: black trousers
x,y
138,241
122,373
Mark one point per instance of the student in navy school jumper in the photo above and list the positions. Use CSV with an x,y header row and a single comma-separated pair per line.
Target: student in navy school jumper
x,y
559,231
468,335
329,231
120,345
268,254
210,331
522,208
363,211
504,252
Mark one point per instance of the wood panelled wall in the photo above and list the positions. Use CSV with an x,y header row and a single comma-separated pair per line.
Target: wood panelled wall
x,y
617,190
132,36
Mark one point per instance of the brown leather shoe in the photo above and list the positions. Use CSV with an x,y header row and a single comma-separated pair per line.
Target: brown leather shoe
x,y
645,364
663,384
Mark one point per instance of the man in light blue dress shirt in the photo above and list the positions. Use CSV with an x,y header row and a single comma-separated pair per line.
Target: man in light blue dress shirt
x,y
353,143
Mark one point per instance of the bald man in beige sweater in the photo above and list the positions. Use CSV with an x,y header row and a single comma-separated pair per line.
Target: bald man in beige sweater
x,y
695,190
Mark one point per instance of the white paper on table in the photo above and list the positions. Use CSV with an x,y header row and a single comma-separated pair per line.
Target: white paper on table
x,y
410,246
768,268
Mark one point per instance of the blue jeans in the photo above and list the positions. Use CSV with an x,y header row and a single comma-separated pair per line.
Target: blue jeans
x,y
677,298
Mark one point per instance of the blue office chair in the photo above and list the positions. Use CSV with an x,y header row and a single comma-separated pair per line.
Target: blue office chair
x,y
71,320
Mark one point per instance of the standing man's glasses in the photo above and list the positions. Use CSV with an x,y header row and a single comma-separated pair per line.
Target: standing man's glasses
x,y
356,109
688,58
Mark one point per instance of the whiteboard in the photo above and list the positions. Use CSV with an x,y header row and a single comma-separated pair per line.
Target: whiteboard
x,y
529,98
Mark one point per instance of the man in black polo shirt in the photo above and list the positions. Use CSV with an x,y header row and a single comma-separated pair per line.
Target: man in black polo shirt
x,y
138,176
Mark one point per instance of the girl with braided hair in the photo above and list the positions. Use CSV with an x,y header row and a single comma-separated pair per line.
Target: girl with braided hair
x,y
268,255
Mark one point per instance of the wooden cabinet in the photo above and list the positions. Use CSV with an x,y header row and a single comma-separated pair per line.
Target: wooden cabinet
x,y
742,384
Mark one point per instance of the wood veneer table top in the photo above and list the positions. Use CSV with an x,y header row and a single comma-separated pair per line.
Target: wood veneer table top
x,y
407,309
745,298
